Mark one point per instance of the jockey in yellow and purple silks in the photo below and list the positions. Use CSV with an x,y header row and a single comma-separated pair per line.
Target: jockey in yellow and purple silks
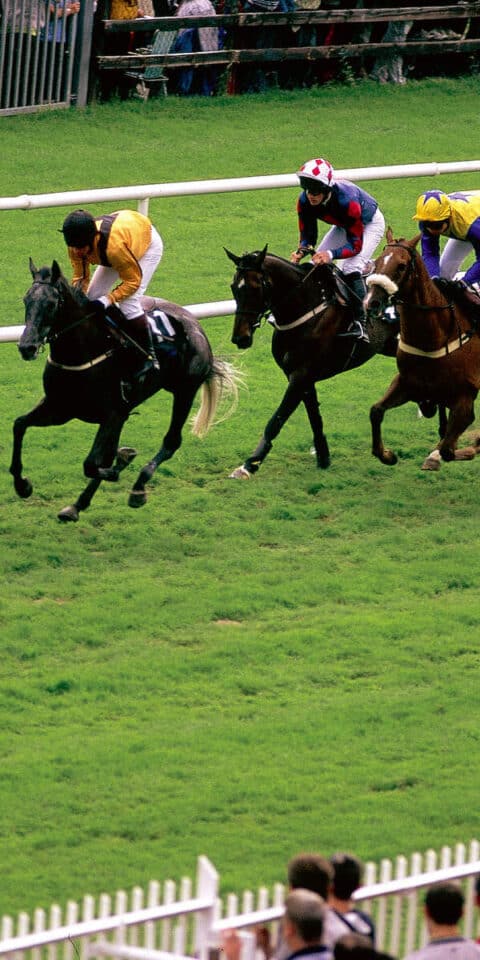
x,y
456,216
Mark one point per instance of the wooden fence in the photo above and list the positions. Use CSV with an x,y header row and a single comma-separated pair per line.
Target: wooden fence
x,y
230,56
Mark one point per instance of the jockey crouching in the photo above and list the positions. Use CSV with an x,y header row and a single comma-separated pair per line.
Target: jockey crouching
x,y
357,227
125,247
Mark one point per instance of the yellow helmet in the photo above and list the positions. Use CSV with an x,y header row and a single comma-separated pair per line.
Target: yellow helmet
x,y
433,206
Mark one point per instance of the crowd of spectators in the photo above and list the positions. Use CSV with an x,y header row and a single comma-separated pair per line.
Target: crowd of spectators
x,y
321,921
389,67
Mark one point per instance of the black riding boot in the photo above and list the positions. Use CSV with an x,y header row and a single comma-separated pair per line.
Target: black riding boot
x,y
139,361
356,286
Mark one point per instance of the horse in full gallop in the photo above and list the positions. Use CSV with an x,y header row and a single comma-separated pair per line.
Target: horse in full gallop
x,y
438,355
310,313
83,380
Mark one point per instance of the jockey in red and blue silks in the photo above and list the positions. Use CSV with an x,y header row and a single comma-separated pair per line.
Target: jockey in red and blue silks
x,y
357,227
456,216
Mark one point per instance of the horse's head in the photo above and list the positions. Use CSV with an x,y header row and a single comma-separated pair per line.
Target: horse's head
x,y
251,289
395,266
42,304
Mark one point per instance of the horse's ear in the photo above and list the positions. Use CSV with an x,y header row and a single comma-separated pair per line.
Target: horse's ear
x,y
413,243
261,256
56,272
232,256
389,235
33,269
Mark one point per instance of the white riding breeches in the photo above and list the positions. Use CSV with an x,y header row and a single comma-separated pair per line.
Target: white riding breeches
x,y
453,256
104,279
372,235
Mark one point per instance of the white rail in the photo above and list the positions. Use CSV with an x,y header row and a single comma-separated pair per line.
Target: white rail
x,y
144,193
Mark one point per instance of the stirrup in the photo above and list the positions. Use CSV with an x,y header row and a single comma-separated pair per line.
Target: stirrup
x,y
356,330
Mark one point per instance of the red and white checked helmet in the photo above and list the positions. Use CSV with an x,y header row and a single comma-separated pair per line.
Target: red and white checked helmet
x,y
317,171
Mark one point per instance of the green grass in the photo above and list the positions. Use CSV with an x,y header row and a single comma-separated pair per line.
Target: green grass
x,y
239,669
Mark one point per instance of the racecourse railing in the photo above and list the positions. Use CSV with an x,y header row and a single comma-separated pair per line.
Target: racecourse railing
x,y
181,925
142,194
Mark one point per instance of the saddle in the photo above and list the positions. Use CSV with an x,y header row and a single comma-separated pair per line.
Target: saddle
x,y
465,296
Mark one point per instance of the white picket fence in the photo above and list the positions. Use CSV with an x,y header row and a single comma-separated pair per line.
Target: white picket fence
x,y
176,924
142,194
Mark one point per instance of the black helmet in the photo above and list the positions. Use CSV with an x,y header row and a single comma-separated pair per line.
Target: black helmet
x,y
79,229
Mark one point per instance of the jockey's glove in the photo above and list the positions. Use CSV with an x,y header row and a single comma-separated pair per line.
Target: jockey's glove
x,y
99,307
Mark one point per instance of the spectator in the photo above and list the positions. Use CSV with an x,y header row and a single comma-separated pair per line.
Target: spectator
x,y
126,247
357,226
114,82
302,929
456,216
443,911
354,946
193,39
23,21
55,33
343,916
307,871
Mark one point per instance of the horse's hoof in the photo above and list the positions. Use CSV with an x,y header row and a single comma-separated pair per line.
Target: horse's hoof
x,y
23,487
387,457
68,514
431,463
241,473
125,455
137,498
110,474
466,453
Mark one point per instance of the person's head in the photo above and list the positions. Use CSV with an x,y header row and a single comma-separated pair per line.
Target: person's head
x,y
444,904
317,179
304,918
354,946
311,872
477,890
433,211
79,230
347,875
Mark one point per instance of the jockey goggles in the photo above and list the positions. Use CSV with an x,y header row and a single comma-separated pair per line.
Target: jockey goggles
x,y
313,186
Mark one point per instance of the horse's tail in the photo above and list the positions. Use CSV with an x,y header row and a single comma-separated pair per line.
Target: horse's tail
x,y
224,380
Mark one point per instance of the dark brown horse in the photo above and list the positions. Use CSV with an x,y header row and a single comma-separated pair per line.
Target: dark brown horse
x,y
438,355
83,380
310,314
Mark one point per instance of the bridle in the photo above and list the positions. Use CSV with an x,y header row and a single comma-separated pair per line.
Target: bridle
x,y
265,288
53,336
410,271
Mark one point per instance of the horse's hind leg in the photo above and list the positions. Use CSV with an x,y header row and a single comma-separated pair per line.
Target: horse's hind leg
x,y
322,452
125,455
172,441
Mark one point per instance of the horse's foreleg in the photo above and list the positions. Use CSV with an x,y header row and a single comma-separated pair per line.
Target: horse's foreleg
x,y
40,416
395,396
310,400
172,441
99,462
461,416
292,398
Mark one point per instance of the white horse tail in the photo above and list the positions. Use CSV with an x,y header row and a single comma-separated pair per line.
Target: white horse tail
x,y
223,382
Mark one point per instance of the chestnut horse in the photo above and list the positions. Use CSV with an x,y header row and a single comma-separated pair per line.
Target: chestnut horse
x,y
310,313
83,380
438,356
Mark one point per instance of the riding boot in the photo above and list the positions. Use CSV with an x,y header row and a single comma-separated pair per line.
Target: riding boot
x,y
139,361
356,286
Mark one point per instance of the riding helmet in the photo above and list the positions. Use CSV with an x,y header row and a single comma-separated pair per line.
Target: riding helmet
x,y
433,206
316,172
79,229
